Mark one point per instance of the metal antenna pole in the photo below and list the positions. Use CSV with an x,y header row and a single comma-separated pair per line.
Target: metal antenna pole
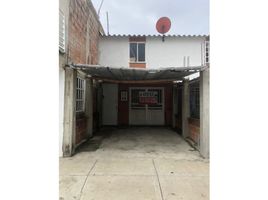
x,y
100,7
107,17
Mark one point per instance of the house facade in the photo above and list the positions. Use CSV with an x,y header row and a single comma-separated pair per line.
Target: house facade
x,y
129,80
148,53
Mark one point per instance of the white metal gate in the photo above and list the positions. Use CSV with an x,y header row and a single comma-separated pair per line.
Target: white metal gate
x,y
146,106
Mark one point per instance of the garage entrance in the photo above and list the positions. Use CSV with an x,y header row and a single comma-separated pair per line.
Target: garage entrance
x,y
149,97
146,106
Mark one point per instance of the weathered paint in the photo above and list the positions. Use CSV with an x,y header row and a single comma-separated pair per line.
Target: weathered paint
x,y
64,7
204,113
61,108
69,112
185,108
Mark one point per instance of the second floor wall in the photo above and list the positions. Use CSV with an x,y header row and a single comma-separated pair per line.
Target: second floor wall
x,y
151,52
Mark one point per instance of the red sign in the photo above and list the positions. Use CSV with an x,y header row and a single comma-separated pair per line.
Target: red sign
x,y
147,98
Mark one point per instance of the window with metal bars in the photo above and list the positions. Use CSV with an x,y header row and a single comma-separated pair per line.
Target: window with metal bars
x,y
194,101
80,95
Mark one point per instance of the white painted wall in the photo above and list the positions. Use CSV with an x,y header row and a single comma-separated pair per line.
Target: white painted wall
x,y
114,51
174,52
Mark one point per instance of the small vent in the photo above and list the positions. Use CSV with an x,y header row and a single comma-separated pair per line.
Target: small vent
x,y
61,32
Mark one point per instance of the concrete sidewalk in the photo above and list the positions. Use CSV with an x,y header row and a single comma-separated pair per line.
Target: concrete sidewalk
x,y
135,164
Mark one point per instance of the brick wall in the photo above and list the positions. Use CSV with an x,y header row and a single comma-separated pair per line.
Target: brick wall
x,y
83,38
81,128
194,129
83,32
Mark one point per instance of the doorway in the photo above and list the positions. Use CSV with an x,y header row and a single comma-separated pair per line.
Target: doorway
x,y
110,104
146,106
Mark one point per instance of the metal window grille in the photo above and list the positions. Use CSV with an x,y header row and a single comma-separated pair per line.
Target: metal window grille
x,y
207,52
61,31
194,101
80,95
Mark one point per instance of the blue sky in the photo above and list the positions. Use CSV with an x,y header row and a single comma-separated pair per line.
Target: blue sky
x,y
140,16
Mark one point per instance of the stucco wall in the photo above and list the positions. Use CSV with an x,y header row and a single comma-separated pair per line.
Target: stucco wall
x,y
174,52
61,108
114,51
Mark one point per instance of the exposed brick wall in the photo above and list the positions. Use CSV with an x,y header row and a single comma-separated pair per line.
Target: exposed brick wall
x,y
194,129
83,32
83,38
81,128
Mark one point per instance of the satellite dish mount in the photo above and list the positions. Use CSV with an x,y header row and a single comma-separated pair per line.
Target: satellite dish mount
x,y
162,26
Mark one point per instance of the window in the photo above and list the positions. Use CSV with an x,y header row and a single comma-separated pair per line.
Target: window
x,y
158,96
80,95
142,97
137,52
194,101
61,32
207,52
135,103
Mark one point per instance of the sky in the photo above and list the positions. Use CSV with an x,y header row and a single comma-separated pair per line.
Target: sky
x,y
188,17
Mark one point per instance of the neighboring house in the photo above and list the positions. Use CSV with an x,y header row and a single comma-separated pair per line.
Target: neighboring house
x,y
79,32
149,52
125,80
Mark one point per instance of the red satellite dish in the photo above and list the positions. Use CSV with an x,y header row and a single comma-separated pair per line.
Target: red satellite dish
x,y
163,25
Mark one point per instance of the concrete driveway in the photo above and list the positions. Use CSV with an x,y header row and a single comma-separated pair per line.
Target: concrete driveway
x,y
135,164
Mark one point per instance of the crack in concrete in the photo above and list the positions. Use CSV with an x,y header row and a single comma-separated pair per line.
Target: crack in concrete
x,y
158,181
86,179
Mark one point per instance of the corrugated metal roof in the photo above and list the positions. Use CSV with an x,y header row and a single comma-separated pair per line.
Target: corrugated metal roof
x,y
154,35
136,74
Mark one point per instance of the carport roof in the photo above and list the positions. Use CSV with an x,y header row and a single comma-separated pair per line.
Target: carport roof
x,y
113,74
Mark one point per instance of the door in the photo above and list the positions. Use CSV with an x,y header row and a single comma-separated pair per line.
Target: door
x,y
109,104
146,106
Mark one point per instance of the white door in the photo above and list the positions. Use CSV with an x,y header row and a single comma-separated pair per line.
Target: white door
x,y
110,104
146,106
